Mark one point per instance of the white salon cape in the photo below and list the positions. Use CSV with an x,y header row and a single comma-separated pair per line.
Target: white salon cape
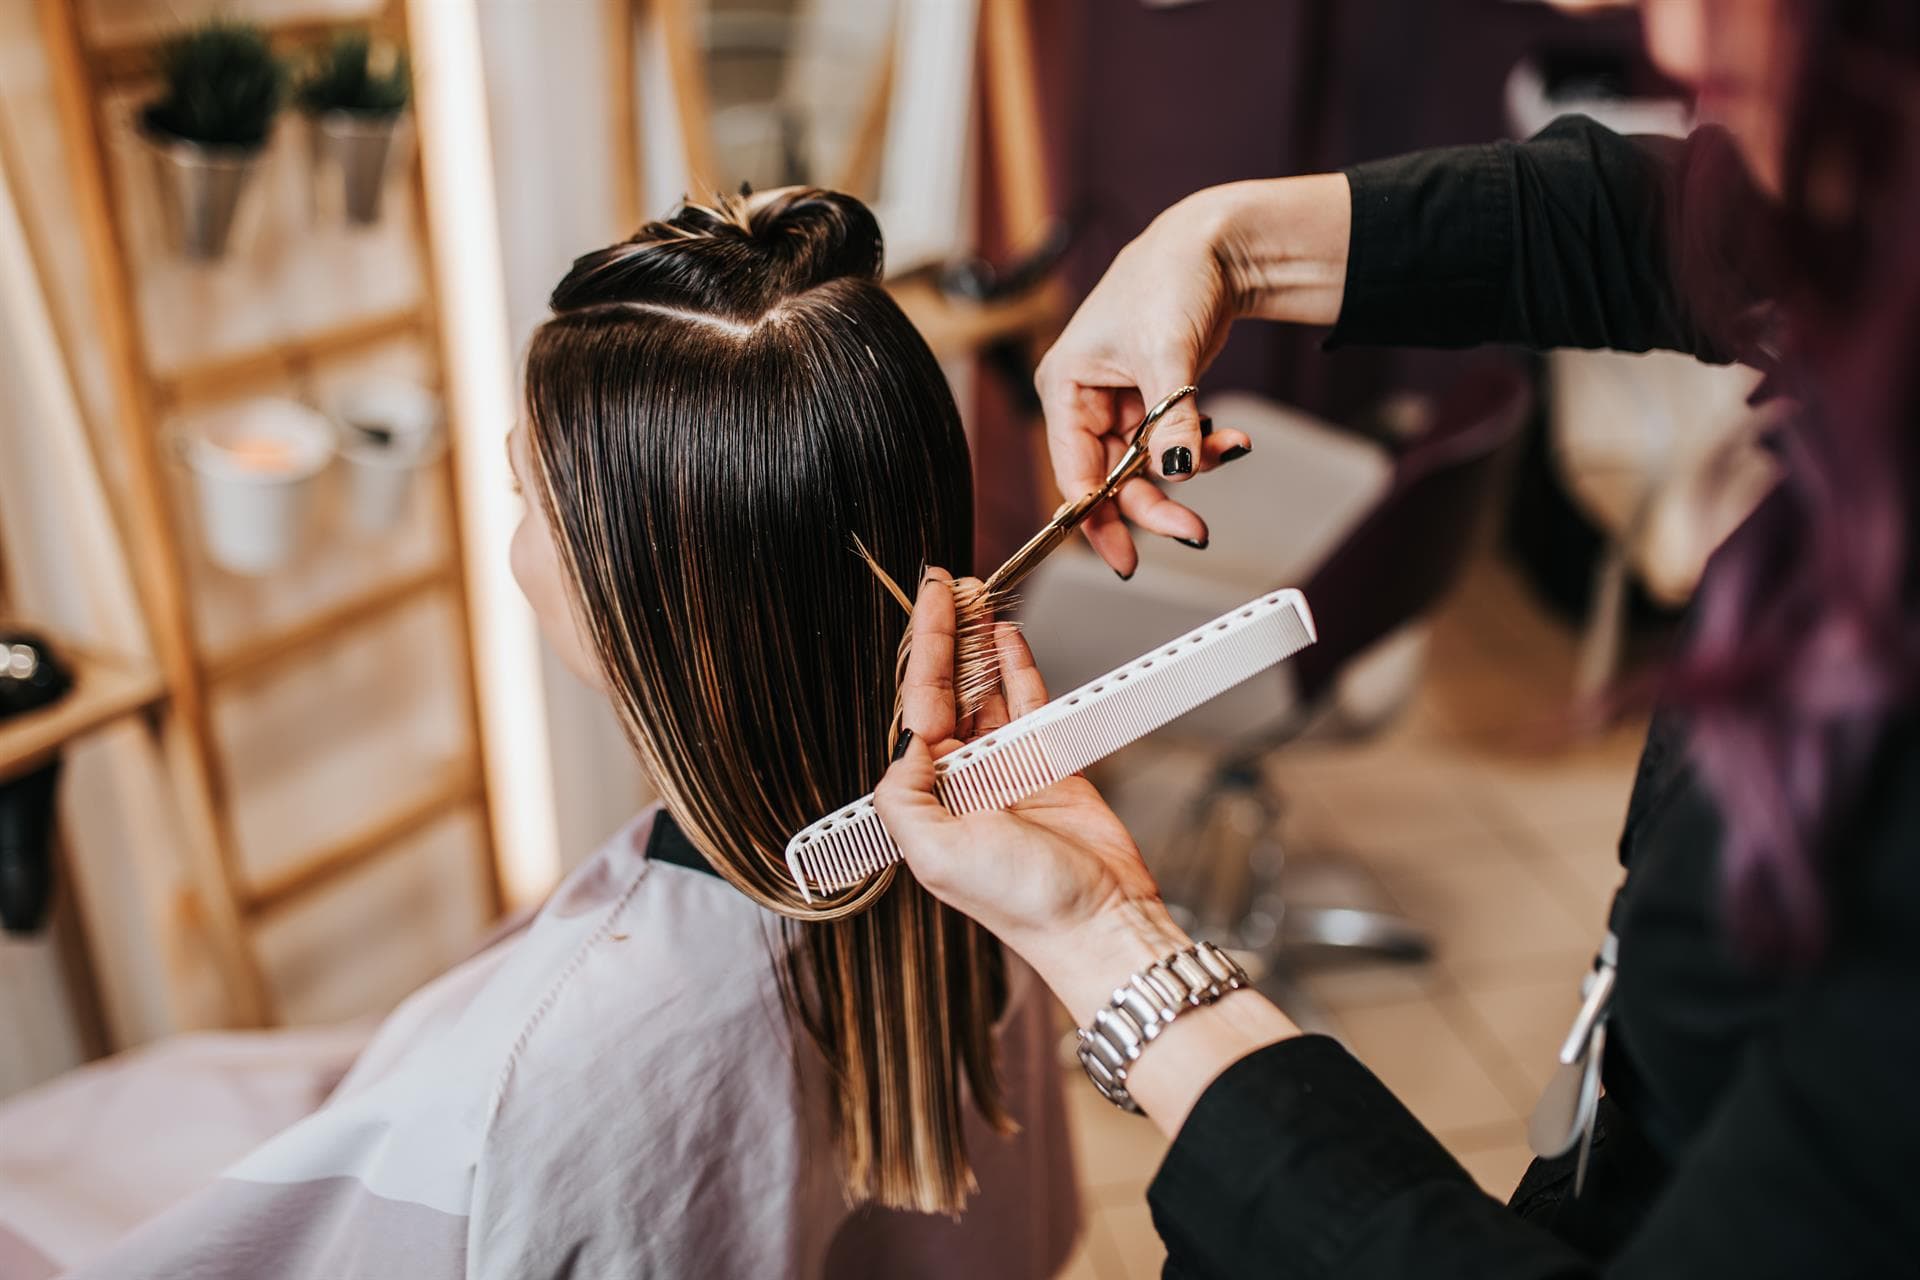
x,y
609,1092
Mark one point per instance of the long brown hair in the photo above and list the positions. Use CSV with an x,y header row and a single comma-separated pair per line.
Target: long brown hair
x,y
721,410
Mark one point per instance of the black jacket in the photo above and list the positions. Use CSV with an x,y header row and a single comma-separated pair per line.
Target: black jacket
x,y
1758,1123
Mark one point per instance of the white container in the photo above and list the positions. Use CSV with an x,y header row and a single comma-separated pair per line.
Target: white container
x,y
389,428
254,468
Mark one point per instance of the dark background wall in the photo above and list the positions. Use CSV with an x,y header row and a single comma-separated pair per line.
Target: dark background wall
x,y
1149,104
1144,105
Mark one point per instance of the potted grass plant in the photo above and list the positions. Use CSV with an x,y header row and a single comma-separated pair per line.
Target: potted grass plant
x,y
207,130
354,94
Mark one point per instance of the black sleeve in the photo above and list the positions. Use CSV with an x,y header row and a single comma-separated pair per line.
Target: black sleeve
x,y
1297,1162
1575,238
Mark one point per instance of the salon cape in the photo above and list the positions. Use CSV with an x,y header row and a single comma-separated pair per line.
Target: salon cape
x,y
612,1091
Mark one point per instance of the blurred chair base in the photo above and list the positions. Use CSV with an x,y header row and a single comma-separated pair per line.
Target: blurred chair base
x,y
1351,928
1377,538
1226,881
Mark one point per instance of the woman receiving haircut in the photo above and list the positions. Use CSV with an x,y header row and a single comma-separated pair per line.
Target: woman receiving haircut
x,y
730,426
679,1069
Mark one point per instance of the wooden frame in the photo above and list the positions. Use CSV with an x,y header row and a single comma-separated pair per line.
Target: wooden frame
x,y
952,327
177,695
107,690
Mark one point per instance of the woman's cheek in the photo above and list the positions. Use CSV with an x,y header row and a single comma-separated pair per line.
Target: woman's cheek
x,y
518,559
536,568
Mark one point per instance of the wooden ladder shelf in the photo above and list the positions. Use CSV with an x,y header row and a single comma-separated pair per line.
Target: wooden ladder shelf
x,y
177,694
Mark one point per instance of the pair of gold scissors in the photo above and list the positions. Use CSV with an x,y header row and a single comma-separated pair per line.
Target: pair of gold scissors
x,y
1071,513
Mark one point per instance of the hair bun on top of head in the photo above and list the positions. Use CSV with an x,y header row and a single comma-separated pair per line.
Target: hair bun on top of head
x,y
738,257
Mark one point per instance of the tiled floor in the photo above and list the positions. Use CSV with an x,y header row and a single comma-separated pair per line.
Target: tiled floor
x,y
1483,816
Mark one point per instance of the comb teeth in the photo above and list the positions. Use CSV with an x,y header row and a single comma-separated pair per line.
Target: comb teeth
x,y
1066,735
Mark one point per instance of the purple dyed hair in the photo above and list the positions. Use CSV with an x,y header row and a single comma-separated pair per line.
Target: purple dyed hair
x,y
1805,638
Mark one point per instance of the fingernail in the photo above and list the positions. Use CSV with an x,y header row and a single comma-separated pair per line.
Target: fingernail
x,y
900,747
1198,544
1177,461
1206,426
1124,577
1238,451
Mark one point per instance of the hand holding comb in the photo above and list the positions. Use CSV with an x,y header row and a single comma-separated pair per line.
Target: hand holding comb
x,y
1066,735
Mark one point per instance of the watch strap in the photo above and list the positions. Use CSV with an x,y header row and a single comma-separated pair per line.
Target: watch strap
x,y
1143,1006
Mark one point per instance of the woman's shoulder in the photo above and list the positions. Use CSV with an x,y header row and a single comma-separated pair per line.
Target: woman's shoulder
x,y
655,945
662,1058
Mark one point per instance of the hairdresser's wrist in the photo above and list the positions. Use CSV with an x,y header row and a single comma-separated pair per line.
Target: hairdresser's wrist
x,y
1281,244
1083,963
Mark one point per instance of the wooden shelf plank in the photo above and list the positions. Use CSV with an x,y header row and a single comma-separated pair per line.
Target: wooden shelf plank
x,y
261,652
123,62
458,785
104,690
956,327
265,366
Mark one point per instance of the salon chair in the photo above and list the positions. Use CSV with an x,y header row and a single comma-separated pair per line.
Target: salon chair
x,y
1376,535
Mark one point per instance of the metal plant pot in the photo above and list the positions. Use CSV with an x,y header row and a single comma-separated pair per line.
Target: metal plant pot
x,y
200,188
357,147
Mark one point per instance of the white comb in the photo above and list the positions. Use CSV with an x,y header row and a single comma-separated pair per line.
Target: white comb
x,y
1066,735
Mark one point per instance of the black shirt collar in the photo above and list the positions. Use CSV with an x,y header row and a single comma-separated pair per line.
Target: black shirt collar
x,y
668,843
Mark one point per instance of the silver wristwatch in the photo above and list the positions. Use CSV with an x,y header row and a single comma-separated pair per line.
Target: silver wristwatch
x,y
1148,1002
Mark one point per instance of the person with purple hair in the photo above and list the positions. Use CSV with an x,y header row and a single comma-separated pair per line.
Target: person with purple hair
x,y
1756,1009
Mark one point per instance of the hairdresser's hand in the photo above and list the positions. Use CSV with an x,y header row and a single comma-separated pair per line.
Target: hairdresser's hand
x,y
1056,877
1276,250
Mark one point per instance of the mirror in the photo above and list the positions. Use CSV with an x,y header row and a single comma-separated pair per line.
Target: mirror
x,y
798,90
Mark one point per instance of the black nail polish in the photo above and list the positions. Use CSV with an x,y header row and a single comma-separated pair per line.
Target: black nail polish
x,y
1198,544
1206,426
900,746
1124,577
1177,461
1238,451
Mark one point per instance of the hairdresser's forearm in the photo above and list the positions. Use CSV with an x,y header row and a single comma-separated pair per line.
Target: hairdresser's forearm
x,y
1281,244
1085,964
